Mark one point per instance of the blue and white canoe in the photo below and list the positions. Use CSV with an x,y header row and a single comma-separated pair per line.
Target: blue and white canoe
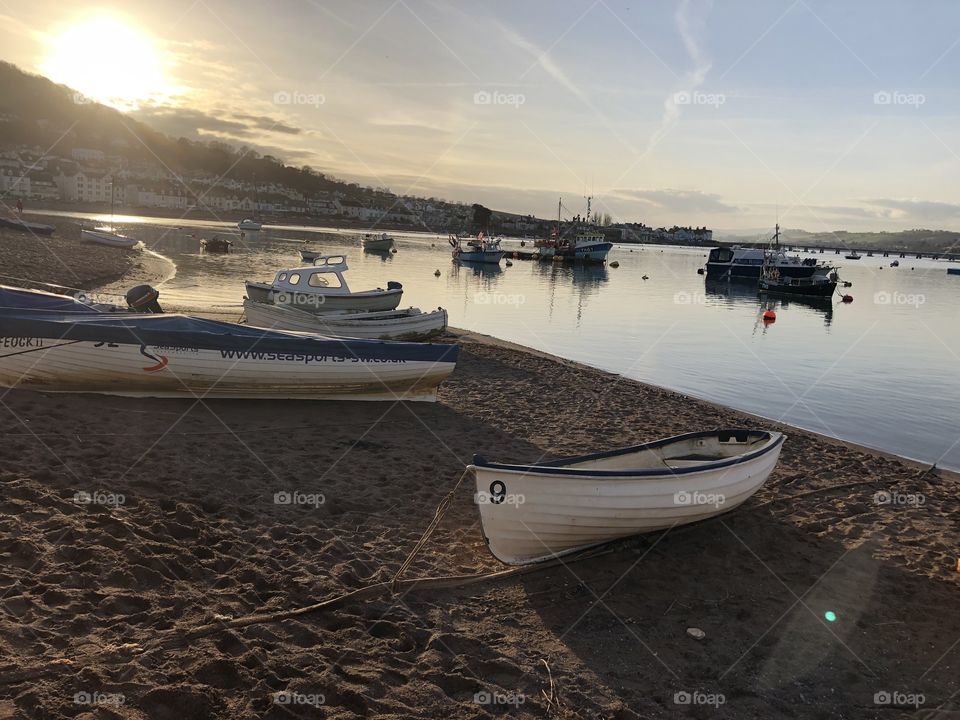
x,y
532,513
53,343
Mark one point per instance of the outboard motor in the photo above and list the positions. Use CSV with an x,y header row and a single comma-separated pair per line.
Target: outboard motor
x,y
143,298
394,285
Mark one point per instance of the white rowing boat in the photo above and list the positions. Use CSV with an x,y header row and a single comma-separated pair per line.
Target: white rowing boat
x,y
531,513
51,343
376,243
408,324
106,236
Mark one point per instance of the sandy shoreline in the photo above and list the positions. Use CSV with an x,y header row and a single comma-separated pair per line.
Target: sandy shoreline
x,y
186,532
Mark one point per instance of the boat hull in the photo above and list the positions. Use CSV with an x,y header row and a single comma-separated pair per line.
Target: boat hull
x,y
816,290
23,225
110,239
735,270
398,325
550,511
374,300
493,257
378,245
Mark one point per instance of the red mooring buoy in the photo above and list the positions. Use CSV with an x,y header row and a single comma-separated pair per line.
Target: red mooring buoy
x,y
769,316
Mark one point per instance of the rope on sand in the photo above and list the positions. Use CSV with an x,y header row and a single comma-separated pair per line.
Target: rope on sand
x,y
437,517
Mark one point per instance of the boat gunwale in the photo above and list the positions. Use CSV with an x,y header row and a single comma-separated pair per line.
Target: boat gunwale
x,y
557,467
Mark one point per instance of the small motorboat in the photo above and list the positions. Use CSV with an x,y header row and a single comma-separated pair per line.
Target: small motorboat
x,y
24,226
310,255
853,256
322,288
376,243
531,513
216,245
481,250
408,324
249,224
63,345
895,263
107,236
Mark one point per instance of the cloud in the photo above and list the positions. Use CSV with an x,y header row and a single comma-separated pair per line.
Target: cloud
x,y
682,203
906,209
690,19
186,122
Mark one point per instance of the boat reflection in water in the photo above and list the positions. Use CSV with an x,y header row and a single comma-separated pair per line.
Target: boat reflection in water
x,y
736,292
477,269
585,279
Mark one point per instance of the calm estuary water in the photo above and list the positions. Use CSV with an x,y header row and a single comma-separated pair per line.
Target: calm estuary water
x,y
883,371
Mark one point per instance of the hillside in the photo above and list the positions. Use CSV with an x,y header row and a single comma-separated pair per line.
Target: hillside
x,y
917,240
37,112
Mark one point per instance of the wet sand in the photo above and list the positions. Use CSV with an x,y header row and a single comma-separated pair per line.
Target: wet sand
x,y
176,526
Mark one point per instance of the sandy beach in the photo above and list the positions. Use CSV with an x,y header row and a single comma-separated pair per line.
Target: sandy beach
x,y
127,524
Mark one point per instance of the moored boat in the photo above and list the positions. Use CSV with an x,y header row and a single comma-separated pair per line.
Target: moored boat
x,y
24,226
249,224
216,244
322,288
853,256
60,345
738,262
408,324
480,250
531,513
107,236
376,243
310,255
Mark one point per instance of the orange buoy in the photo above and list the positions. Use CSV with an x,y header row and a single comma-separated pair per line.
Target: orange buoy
x,y
847,298
769,316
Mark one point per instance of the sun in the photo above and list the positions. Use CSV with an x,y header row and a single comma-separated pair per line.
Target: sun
x,y
108,60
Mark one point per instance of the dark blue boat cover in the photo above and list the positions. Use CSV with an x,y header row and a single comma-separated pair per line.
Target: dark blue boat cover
x,y
24,313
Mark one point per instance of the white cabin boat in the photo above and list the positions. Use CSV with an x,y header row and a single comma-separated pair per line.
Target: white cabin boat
x,y
381,242
249,224
107,236
408,324
537,512
322,288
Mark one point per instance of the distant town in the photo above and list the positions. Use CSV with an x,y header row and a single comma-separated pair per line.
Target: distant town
x,y
86,178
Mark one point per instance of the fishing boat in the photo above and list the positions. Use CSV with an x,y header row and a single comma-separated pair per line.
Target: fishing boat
x,y
376,243
216,245
819,285
531,513
579,242
56,344
853,256
24,226
408,324
310,255
480,250
322,288
106,235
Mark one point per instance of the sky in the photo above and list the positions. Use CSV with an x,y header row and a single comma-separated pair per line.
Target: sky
x,y
822,115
